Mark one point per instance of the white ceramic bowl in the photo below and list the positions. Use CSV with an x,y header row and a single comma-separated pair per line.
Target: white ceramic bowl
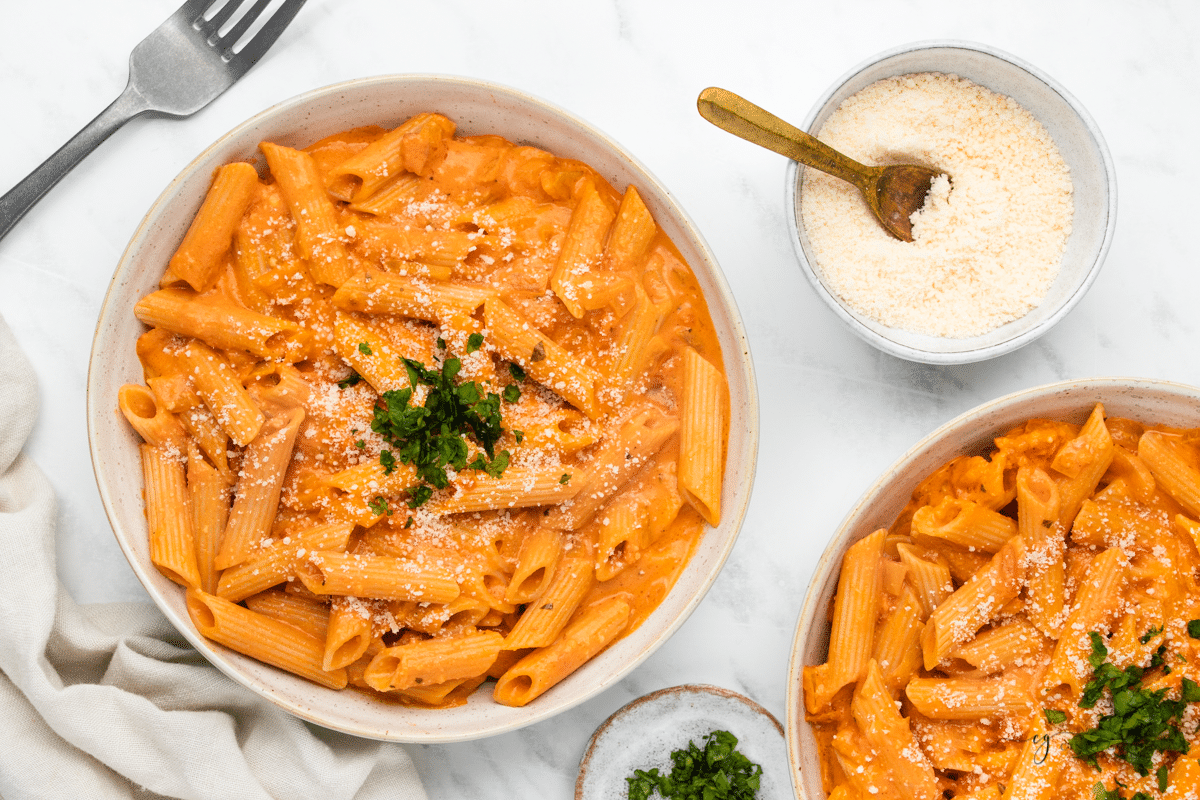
x,y
1077,138
478,108
970,434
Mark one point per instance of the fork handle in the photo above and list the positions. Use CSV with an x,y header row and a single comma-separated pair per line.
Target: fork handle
x,y
22,197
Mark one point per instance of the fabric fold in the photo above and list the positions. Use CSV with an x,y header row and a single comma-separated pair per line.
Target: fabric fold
x,y
109,701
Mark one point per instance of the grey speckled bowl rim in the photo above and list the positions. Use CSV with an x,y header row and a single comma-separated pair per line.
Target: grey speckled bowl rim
x,y
794,174
739,360
811,620
633,705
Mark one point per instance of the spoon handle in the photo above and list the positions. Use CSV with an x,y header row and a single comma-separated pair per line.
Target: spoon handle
x,y
745,120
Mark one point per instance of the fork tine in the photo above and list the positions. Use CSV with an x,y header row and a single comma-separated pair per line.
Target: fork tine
x,y
243,24
193,9
266,37
210,28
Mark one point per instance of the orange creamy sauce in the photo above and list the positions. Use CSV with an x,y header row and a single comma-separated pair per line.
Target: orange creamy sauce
x,y
452,210
1131,512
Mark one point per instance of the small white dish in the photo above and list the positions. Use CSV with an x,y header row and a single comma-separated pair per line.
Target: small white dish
x,y
644,733
1078,140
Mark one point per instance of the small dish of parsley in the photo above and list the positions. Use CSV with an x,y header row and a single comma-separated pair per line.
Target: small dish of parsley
x,y
686,742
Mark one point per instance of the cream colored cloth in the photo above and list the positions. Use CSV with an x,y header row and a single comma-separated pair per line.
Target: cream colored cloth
x,y
109,701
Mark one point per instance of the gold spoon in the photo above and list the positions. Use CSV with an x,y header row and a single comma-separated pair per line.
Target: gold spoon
x,y
894,193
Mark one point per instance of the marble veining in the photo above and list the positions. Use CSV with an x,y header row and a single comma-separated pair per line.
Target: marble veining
x,y
835,412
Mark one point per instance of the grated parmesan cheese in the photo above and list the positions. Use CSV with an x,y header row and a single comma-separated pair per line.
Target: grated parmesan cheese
x,y
989,240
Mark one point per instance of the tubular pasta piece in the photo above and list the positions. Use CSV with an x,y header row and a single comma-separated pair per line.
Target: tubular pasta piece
x,y
589,633
319,237
222,324
382,577
211,232
257,497
168,513
855,609
262,637
582,249
702,435
433,661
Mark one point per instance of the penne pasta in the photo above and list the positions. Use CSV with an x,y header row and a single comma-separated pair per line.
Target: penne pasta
x,y
424,411
208,238
1030,632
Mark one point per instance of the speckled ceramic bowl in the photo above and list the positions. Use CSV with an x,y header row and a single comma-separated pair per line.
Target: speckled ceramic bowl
x,y
970,434
1077,138
476,107
643,734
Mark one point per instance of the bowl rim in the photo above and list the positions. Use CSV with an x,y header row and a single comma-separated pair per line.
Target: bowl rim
x,y
794,174
740,491
832,553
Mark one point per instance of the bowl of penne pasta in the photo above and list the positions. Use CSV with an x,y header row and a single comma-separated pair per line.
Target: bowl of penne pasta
x,y
973,618
421,408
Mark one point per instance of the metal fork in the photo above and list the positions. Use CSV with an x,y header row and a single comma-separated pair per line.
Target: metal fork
x,y
175,71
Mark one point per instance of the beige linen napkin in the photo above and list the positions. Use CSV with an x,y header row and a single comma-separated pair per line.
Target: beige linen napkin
x,y
109,701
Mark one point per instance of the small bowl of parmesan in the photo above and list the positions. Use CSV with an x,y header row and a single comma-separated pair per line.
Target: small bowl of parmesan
x,y
1011,235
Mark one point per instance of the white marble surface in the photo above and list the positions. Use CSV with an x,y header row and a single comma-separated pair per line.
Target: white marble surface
x,y
835,413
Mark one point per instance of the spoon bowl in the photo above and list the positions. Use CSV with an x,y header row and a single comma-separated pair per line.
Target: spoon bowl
x,y
893,192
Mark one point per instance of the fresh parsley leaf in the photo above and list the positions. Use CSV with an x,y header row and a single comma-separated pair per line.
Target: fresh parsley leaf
x,y
364,348
1150,634
474,342
419,495
1141,723
361,444
441,343
1160,775
349,380
388,460
514,369
1193,627
717,772
379,506
433,437
408,523
519,436
512,393
1190,691
566,478
1054,716
1099,652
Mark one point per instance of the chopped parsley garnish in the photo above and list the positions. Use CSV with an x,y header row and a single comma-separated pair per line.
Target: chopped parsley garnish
x,y
388,461
1142,722
1194,628
361,444
364,348
419,495
349,380
433,437
379,506
566,478
441,343
1100,793
495,467
1190,691
1150,634
474,342
408,523
519,436
515,370
718,772
1054,716
512,393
